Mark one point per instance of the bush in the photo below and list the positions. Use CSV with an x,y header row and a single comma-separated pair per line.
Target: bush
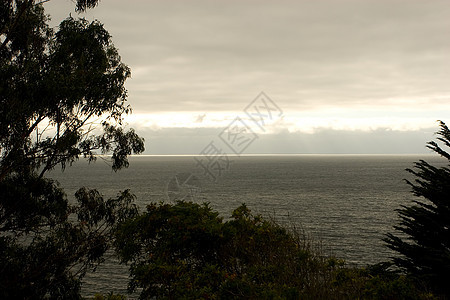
x,y
187,251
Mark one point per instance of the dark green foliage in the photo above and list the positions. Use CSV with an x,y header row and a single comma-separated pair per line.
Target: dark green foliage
x,y
186,251
109,296
61,80
375,282
48,257
53,86
425,226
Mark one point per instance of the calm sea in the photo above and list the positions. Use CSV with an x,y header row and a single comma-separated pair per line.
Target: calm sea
x,y
347,202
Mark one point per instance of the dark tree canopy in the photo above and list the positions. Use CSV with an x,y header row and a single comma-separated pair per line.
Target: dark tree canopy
x,y
62,97
186,251
59,81
424,242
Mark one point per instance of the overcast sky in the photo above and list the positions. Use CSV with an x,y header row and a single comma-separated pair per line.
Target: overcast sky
x,y
349,76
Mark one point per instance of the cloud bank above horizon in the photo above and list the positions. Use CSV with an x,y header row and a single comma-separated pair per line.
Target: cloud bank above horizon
x,y
350,68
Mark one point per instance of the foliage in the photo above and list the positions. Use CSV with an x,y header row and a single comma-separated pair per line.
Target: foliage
x,y
425,226
55,86
186,251
109,296
46,254
377,281
52,86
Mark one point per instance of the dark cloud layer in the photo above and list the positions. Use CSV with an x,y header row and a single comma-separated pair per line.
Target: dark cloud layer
x,y
215,55
314,57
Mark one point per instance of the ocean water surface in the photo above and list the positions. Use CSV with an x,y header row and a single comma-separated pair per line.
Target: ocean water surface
x,y
347,202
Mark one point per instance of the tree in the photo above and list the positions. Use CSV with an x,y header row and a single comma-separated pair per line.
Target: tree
x,y
424,240
55,87
187,251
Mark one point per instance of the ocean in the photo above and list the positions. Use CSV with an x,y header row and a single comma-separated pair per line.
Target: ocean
x,y
345,202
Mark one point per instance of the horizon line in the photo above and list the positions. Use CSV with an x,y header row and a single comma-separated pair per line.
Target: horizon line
x,y
289,154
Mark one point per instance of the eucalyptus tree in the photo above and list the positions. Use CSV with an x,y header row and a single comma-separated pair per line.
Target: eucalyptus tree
x,y
62,97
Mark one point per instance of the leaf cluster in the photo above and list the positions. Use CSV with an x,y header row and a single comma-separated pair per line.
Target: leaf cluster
x,y
56,89
47,247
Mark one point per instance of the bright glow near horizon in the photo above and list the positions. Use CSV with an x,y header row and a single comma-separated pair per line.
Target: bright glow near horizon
x,y
306,122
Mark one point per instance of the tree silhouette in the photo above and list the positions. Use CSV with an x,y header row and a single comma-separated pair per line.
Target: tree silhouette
x,y
424,239
55,86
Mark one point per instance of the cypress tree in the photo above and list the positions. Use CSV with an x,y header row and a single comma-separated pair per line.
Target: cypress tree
x,y
423,233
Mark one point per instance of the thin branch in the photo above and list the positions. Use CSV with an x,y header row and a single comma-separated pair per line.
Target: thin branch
x,y
42,2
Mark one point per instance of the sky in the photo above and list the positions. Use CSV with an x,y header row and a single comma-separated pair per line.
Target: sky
x,y
337,76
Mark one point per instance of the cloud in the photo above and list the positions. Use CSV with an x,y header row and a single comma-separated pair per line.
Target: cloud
x,y
177,141
346,67
212,56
